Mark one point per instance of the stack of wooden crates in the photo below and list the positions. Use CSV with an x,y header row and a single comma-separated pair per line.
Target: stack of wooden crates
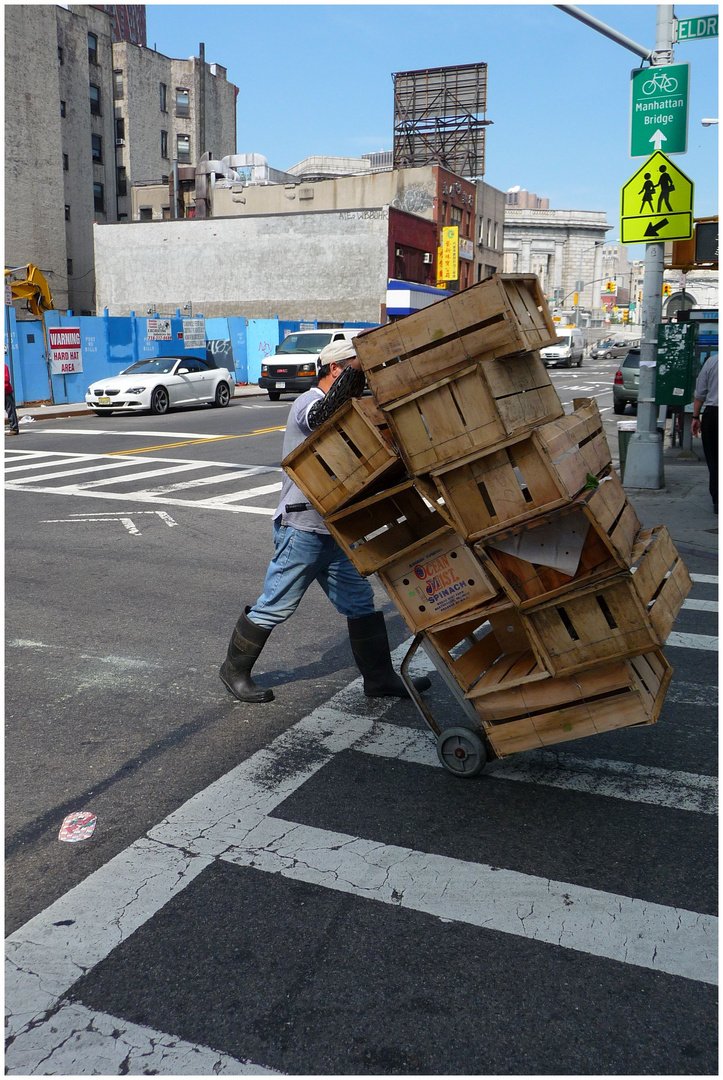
x,y
496,522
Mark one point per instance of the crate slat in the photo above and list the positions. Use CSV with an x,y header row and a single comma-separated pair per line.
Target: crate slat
x,y
611,524
539,714
487,650
611,619
500,316
347,456
543,471
460,414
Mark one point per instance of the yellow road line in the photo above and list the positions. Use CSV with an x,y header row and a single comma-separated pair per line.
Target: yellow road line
x,y
194,442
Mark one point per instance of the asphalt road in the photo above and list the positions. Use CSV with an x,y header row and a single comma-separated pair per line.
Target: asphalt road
x,y
316,895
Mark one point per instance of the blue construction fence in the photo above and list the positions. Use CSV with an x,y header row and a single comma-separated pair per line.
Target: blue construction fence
x,y
111,343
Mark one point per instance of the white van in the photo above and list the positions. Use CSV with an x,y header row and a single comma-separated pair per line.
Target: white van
x,y
292,368
568,350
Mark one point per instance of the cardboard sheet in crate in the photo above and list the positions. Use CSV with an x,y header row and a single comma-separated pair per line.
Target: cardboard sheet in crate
x,y
590,538
616,695
503,315
382,528
544,470
349,454
436,582
487,650
623,616
476,409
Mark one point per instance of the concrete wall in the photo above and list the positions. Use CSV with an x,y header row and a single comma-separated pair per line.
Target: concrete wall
x,y
412,190
327,266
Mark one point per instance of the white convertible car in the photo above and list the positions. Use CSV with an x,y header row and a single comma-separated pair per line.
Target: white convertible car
x,y
161,384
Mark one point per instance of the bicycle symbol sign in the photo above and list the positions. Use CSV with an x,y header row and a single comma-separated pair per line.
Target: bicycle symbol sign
x,y
659,109
656,203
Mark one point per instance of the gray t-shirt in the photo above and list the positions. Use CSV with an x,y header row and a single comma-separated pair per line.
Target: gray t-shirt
x,y
706,388
297,429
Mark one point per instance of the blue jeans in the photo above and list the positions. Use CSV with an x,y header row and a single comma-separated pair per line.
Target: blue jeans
x,y
301,558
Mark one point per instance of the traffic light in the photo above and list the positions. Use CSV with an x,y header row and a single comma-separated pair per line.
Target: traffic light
x,y
640,297
575,300
610,287
667,290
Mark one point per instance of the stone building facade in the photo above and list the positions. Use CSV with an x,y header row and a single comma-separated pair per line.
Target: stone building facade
x,y
562,247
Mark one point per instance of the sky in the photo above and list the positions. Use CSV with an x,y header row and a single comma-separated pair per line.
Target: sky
x,y
317,79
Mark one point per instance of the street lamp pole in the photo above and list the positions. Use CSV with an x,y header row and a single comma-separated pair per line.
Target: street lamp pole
x,y
593,247
644,464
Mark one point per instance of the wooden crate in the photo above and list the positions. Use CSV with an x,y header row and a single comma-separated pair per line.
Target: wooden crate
x,y
625,615
605,519
487,650
437,582
386,526
351,453
500,488
503,315
476,409
627,693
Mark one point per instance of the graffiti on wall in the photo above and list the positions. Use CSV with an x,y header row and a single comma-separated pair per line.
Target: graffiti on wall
x,y
220,353
415,200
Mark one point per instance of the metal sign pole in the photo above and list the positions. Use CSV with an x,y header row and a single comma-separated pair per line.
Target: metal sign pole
x,y
644,463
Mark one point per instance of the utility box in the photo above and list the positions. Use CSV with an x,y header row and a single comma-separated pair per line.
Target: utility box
x,y
676,373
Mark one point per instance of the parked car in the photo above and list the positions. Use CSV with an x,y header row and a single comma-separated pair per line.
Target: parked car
x,y
292,369
604,350
568,350
625,384
159,384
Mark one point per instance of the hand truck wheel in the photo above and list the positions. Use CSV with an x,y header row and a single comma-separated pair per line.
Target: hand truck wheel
x,y
461,752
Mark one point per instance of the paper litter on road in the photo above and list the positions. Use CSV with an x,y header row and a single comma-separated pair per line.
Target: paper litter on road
x,y
77,826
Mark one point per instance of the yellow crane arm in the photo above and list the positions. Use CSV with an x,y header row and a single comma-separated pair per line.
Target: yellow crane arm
x,y
33,288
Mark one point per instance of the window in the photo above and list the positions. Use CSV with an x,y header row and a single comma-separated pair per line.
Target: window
x,y
455,215
67,212
146,213
164,144
489,232
120,129
60,56
121,180
183,147
117,84
163,91
497,234
98,198
182,102
65,163
96,144
166,213
69,267
92,48
62,108
94,100
122,217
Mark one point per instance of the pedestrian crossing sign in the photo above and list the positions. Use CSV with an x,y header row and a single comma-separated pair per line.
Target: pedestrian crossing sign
x,y
656,204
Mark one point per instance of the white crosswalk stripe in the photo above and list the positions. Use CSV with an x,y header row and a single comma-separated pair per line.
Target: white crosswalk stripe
x,y
49,473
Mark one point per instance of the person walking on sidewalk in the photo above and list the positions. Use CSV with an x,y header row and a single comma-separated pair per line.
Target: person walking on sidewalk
x,y
10,409
705,397
305,551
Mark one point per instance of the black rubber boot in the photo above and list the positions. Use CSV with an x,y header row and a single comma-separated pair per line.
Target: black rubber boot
x,y
244,649
370,646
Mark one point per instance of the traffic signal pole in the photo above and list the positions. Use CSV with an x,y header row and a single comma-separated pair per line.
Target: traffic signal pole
x,y
644,463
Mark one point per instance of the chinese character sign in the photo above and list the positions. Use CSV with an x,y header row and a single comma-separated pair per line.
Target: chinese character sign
x,y
450,253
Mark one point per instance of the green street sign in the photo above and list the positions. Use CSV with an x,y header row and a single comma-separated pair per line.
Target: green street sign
x,y
693,29
656,204
659,109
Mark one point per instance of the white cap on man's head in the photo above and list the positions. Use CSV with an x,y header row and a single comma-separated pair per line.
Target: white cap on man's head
x,y
337,351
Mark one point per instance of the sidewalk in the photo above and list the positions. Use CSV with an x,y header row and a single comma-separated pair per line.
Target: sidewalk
x,y
683,504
